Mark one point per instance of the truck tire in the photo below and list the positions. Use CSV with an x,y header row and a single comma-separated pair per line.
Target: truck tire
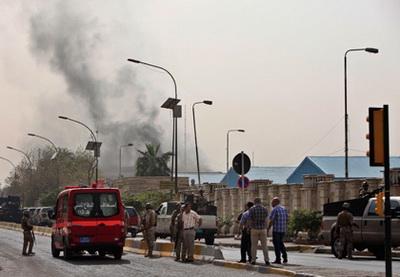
x,y
335,247
379,252
209,240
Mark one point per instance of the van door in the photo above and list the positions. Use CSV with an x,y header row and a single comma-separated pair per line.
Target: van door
x,y
83,221
109,222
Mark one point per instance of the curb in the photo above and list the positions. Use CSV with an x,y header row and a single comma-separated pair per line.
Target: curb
x,y
257,268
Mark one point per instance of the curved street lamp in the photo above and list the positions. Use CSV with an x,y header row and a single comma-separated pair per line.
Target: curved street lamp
x,y
126,145
170,104
227,151
20,151
95,147
346,116
207,102
15,169
54,156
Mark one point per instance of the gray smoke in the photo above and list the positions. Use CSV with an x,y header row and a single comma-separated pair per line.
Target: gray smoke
x,y
69,41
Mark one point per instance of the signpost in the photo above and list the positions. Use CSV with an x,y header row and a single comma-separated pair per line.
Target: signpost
x,y
241,164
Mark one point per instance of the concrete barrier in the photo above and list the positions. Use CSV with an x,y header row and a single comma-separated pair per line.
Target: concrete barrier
x,y
205,253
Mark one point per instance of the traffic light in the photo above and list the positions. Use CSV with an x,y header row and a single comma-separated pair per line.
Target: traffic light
x,y
379,204
376,136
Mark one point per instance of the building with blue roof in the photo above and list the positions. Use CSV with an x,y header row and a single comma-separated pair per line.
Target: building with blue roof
x,y
276,174
359,168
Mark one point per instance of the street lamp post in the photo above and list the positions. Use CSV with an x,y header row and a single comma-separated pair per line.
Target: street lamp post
x,y
55,155
126,145
346,116
176,113
227,151
207,102
15,169
95,147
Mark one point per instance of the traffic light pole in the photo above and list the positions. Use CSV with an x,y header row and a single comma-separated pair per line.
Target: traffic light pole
x,y
388,213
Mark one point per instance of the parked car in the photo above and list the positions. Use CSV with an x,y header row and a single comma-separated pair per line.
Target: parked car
x,y
88,219
134,221
35,217
43,217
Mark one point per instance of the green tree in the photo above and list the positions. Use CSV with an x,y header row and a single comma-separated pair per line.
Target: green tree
x,y
139,200
150,164
304,221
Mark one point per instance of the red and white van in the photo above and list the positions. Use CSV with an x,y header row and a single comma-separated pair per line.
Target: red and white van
x,y
88,219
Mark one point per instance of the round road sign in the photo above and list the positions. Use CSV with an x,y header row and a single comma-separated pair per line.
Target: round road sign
x,y
246,182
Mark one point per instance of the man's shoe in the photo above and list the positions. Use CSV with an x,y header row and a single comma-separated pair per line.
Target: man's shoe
x,y
31,253
177,259
25,254
189,260
268,263
350,257
241,261
276,262
285,261
253,263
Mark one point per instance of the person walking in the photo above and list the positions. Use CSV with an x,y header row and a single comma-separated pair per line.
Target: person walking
x,y
245,241
278,221
149,226
28,237
258,230
177,230
345,222
191,223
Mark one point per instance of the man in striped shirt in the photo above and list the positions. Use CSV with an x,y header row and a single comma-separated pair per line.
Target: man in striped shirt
x,y
258,215
278,220
191,223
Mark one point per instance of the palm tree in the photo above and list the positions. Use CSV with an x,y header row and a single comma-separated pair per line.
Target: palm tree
x,y
149,164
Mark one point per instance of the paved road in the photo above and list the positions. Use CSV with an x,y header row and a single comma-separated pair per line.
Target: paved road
x,y
12,263
325,264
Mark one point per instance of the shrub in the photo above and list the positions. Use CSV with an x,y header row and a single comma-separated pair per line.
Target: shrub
x,y
304,221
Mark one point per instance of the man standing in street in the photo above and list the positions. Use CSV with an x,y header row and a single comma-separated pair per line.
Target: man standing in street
x,y
177,230
191,223
278,221
345,222
245,241
28,238
149,226
258,229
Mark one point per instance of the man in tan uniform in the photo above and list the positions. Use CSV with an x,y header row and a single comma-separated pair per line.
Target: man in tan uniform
x,y
149,226
28,238
345,222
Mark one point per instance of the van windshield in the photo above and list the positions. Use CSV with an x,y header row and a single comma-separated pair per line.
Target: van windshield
x,y
96,204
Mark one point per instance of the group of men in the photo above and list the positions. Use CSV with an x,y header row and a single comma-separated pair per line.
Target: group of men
x,y
184,224
254,227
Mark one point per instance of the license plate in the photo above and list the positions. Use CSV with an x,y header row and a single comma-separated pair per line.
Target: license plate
x,y
84,239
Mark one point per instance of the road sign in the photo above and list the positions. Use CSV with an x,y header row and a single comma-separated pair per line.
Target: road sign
x,y
237,163
246,182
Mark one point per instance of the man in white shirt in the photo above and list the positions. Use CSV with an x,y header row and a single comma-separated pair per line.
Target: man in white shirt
x,y
191,223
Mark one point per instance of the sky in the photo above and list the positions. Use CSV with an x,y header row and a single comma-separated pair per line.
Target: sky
x,y
272,68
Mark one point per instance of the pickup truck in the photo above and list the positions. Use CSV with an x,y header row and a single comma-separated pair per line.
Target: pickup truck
x,y
370,233
208,228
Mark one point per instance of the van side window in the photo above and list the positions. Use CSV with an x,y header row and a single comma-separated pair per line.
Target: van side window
x,y
65,205
109,204
83,204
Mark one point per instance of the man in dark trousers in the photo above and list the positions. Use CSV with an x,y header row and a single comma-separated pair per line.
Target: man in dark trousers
x,y
28,238
278,221
245,242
